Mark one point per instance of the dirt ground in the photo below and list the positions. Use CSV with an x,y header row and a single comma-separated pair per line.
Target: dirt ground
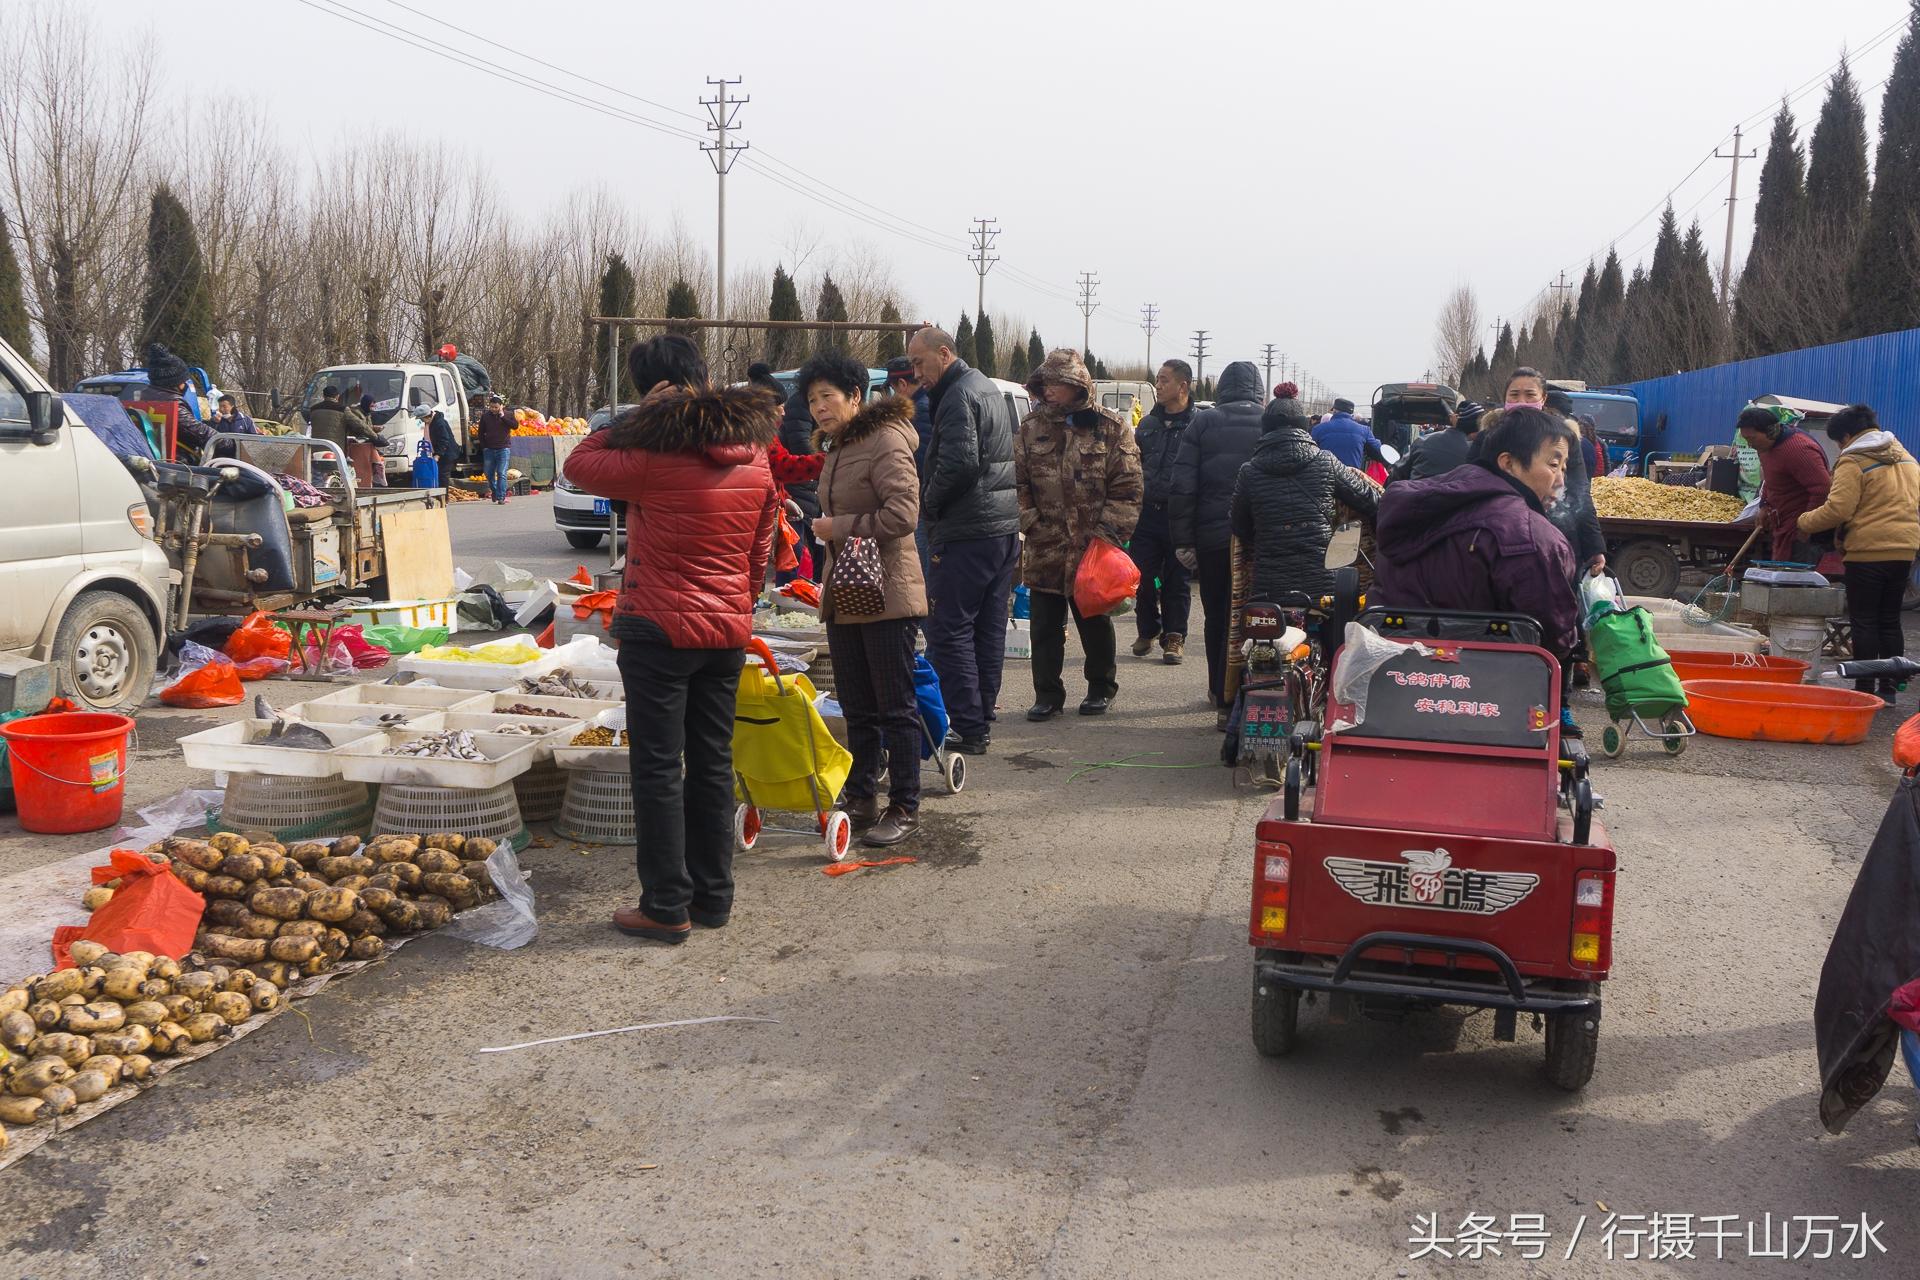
x,y
1026,1054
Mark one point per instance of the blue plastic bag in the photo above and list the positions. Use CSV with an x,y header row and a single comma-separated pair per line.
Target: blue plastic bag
x,y
933,706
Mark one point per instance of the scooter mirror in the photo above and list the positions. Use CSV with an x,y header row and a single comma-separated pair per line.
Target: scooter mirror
x,y
1344,549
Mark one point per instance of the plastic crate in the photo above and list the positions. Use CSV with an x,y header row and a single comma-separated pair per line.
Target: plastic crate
x,y
493,812
293,808
367,761
541,790
598,808
363,715
435,697
229,749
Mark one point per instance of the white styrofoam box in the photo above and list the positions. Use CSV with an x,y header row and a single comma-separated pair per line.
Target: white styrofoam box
x,y
438,612
553,732
482,677
230,748
366,761
571,708
435,697
1019,638
366,715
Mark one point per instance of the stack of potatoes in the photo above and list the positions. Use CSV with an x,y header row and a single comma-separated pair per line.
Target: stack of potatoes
x,y
68,1037
274,915
293,911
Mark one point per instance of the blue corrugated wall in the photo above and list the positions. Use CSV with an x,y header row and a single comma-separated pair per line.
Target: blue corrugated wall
x,y
1700,407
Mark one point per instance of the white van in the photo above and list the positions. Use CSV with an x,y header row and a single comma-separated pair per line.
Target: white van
x,y
82,583
396,391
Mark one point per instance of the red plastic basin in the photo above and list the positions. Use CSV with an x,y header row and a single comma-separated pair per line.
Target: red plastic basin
x,y
1701,664
1780,712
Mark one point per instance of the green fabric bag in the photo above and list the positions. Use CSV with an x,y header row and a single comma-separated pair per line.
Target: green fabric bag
x,y
397,639
1633,669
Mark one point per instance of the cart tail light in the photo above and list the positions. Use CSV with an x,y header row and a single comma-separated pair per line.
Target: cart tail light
x,y
1273,883
1592,946
141,519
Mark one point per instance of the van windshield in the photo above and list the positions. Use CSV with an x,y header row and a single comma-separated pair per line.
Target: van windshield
x,y
1614,419
385,386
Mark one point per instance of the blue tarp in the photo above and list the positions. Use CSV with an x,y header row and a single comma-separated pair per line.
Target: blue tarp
x,y
112,422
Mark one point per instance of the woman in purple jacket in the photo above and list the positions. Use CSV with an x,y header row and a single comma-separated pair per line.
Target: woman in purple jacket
x,y
1477,537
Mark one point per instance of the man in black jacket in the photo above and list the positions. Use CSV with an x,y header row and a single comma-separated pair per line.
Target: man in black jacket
x,y
1162,612
1215,446
972,517
1438,452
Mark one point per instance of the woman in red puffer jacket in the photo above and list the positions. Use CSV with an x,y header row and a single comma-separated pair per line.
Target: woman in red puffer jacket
x,y
690,462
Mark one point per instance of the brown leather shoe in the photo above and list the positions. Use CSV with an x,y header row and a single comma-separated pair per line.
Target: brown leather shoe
x,y
1143,646
862,813
635,923
894,826
1173,649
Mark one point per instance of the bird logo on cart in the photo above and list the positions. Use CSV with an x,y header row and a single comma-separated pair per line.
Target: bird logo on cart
x,y
1427,879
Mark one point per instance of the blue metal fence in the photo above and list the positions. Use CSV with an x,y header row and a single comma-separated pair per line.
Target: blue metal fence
x,y
1688,411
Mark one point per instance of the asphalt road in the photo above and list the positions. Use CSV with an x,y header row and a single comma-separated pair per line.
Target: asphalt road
x,y
1025,1055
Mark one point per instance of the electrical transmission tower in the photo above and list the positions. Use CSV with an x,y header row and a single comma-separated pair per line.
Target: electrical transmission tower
x,y
984,233
1200,358
1088,283
1150,321
723,117
1267,358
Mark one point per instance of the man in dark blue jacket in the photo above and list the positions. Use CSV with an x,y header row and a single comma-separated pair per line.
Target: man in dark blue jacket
x,y
1162,611
901,382
1346,437
972,517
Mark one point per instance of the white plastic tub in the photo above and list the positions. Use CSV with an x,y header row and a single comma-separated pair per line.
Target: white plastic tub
x,y
363,714
229,749
571,708
552,732
439,612
433,697
507,759
482,677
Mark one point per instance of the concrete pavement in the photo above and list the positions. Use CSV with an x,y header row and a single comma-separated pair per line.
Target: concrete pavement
x,y
1025,1055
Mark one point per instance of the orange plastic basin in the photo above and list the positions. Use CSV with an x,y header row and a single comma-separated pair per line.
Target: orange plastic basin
x,y
1701,664
1779,712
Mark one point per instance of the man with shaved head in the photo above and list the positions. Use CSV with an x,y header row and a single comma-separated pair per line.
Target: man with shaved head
x,y
972,517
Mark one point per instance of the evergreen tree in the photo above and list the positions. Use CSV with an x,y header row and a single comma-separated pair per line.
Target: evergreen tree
x,y
684,304
1036,351
616,299
1884,291
1657,341
963,340
892,345
1017,368
1100,370
1603,330
1699,321
1779,221
1629,336
1837,191
1503,349
983,343
178,308
785,347
14,329
1473,383
1580,330
1563,341
832,306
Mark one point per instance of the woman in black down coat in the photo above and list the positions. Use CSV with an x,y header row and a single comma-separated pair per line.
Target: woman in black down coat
x,y
1284,502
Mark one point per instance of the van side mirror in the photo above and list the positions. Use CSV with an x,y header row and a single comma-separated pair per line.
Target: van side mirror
x,y
46,413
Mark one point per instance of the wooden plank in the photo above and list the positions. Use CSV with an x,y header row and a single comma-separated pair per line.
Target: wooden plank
x,y
419,553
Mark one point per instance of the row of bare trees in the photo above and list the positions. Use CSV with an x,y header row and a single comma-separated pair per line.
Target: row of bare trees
x,y
383,249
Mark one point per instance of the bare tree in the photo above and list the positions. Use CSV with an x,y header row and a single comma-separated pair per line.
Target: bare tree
x,y
1456,333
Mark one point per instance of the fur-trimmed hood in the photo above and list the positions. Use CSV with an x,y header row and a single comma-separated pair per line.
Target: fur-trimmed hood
x,y
718,421
883,411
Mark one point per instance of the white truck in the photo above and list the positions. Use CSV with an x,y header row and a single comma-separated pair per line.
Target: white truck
x,y
396,390
82,582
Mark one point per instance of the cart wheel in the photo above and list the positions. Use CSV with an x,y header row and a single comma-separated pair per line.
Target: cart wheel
x,y
1276,1019
1612,742
1573,1042
955,772
1677,727
1292,791
839,835
746,827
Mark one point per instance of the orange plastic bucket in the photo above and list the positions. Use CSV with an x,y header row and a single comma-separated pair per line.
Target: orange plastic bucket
x,y
69,770
1780,712
1701,664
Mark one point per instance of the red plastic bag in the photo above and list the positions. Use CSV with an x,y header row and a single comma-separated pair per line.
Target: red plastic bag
x,y
259,638
1906,744
262,667
366,655
150,911
217,684
1107,578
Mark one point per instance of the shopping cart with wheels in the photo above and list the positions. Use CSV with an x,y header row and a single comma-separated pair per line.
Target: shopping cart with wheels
x,y
784,758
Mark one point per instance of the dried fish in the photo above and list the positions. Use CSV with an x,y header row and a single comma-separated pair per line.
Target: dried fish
x,y
557,684
453,744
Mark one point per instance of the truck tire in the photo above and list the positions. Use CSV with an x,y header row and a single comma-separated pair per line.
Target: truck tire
x,y
1573,1043
1276,1019
583,539
1647,568
106,652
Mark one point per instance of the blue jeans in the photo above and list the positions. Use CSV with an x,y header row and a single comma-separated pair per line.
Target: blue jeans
x,y
494,461
967,592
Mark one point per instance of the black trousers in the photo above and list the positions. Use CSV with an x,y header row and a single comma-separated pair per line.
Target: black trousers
x,y
680,703
968,582
1050,612
873,678
1162,609
1874,591
1216,600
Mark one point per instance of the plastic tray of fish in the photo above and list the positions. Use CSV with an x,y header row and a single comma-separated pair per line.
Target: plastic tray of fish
x,y
430,696
498,760
367,715
543,733
234,748
502,704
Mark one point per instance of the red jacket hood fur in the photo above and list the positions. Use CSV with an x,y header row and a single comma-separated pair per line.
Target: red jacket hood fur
x,y
691,465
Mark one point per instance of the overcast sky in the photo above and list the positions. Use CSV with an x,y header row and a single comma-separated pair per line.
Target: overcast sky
x,y
1316,176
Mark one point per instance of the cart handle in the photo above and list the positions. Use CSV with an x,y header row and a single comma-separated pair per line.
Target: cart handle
x,y
758,647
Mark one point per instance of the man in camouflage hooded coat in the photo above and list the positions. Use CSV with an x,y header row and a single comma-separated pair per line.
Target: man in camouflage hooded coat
x,y
1077,474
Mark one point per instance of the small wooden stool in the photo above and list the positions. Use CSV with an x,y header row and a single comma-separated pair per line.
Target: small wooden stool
x,y
303,624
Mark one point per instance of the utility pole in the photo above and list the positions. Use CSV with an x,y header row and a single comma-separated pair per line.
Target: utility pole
x,y
1733,197
1562,285
1088,283
1268,357
1150,321
722,119
1200,359
984,233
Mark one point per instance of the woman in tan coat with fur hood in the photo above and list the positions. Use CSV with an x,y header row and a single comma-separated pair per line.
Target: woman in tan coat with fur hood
x,y
870,489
